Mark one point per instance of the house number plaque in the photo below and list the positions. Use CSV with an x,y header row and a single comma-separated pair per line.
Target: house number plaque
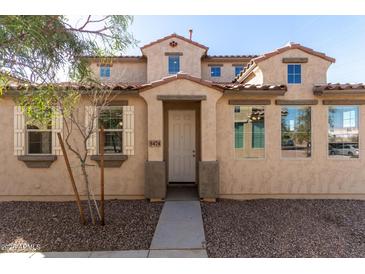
x,y
154,143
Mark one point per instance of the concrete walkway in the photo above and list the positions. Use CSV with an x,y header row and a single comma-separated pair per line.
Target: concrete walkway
x,y
179,232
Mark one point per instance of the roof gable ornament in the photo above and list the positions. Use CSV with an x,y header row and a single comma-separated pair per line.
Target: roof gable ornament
x,y
173,43
176,37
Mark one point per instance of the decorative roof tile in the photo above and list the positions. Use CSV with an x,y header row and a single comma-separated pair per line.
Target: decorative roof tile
x,y
339,88
230,56
127,87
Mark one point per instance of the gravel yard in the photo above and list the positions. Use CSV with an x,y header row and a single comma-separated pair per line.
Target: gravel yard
x,y
285,228
55,226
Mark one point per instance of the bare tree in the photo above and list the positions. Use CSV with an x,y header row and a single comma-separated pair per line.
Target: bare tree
x,y
77,130
97,100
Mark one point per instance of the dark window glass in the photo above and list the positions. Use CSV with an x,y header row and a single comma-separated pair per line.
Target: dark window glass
x,y
39,141
113,142
174,64
296,132
215,71
258,137
238,133
343,131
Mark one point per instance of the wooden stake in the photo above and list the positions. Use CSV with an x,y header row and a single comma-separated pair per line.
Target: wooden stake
x,y
78,202
101,148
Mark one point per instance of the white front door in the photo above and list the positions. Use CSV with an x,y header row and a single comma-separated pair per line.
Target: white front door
x,y
182,161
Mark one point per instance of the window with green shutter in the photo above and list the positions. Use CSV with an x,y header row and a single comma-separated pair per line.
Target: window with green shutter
x,y
258,137
238,135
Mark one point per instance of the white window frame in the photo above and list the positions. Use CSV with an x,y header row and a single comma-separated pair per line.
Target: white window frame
x,y
109,130
27,140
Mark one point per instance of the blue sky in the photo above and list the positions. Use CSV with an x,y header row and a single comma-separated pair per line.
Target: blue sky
x,y
341,37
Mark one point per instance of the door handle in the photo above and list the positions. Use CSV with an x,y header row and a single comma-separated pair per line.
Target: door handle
x,y
193,153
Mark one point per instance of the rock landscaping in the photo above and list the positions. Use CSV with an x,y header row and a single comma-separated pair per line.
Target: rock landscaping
x,y
285,228
55,226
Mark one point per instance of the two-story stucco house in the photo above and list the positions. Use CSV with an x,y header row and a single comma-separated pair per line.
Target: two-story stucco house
x,y
236,126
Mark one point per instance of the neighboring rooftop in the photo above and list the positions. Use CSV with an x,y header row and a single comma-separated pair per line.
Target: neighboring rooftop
x,y
290,46
252,64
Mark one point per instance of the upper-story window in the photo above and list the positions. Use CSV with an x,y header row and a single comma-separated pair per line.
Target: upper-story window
x,y
104,71
215,71
294,74
174,64
237,70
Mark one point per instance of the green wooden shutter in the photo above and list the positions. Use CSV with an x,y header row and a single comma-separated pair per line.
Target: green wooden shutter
x,y
258,135
238,134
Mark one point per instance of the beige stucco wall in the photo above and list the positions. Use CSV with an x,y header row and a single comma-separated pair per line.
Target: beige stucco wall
x,y
123,72
19,182
227,71
275,175
208,116
271,176
157,61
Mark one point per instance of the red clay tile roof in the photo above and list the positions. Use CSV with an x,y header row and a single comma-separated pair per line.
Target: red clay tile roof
x,y
74,86
250,89
174,35
126,87
339,88
114,56
293,46
230,56
115,59
181,75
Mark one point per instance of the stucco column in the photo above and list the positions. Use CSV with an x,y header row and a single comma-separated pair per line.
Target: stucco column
x,y
209,128
155,167
209,166
154,126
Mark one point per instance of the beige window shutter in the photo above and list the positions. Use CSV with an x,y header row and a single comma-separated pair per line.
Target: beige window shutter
x,y
128,130
57,126
90,114
19,131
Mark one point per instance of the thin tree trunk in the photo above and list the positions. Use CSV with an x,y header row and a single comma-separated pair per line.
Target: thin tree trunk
x,y
86,179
